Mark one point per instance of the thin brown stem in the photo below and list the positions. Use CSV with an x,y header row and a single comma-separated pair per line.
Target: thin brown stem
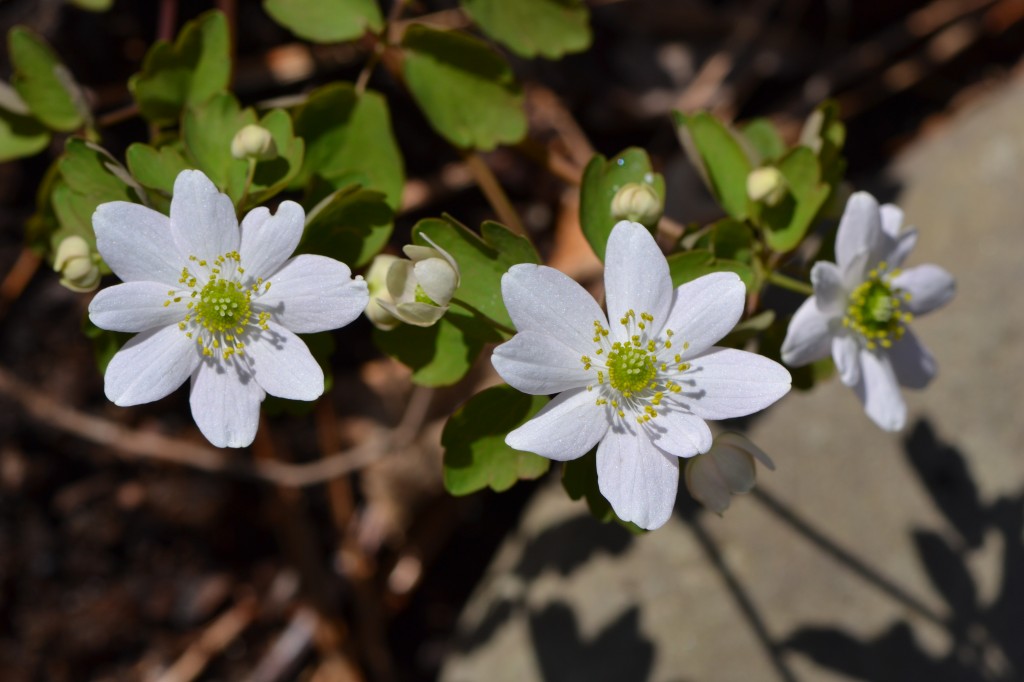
x,y
494,192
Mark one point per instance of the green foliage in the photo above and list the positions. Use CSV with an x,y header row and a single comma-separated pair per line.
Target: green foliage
x,y
326,21
689,265
189,72
825,134
729,239
44,83
475,453
787,223
442,354
482,261
765,143
208,130
20,136
532,28
602,179
579,478
466,90
156,168
351,225
93,5
719,157
349,141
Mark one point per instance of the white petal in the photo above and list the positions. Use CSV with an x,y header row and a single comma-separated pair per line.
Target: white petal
x,y
136,242
203,220
314,293
564,429
418,314
636,275
905,243
542,299
679,433
880,392
437,278
283,366
844,353
829,292
539,364
913,364
705,310
150,366
639,481
706,483
808,337
892,219
225,403
724,383
268,241
135,307
860,229
929,286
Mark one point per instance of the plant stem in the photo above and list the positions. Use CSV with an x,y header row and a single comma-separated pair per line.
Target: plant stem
x,y
494,192
786,282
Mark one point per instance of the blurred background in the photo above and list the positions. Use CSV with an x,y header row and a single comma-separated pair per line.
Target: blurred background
x,y
130,550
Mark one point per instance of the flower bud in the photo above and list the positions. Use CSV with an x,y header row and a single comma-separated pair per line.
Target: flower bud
x,y
422,287
253,142
376,282
726,469
637,202
766,185
75,263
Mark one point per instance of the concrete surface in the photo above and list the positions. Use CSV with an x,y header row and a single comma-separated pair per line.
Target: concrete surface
x,y
868,555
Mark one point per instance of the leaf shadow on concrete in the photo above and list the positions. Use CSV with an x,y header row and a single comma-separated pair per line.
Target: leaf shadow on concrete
x,y
986,637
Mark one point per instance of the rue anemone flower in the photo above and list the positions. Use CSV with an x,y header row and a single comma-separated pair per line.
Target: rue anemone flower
x,y
861,307
639,387
216,303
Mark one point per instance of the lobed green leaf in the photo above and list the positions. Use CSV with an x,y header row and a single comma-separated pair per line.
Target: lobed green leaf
x,y
326,21
44,83
602,179
719,158
351,225
787,223
534,28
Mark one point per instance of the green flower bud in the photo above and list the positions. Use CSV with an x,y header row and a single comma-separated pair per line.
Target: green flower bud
x,y
75,263
376,281
253,142
728,468
421,287
637,202
766,185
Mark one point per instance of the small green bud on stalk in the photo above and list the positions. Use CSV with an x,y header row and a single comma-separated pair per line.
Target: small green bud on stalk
x,y
74,261
253,142
637,202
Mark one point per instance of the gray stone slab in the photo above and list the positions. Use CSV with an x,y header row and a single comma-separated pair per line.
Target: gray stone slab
x,y
869,555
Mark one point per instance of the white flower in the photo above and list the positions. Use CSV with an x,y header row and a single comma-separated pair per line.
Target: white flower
x,y
640,388
253,142
74,262
377,281
216,304
860,310
727,469
420,289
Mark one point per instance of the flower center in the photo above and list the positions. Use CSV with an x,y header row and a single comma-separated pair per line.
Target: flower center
x,y
635,374
874,311
219,313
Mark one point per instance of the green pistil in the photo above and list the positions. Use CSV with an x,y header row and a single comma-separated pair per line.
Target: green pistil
x,y
874,311
630,369
223,305
421,296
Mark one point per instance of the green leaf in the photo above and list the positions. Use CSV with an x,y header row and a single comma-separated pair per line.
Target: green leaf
x,y
44,82
602,179
482,261
192,70
156,168
825,133
689,265
475,453
20,136
729,239
326,21
532,28
787,223
579,478
273,175
765,140
718,157
351,225
466,90
439,355
93,5
349,141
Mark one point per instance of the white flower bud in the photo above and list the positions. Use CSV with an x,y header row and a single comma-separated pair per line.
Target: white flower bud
x,y
767,185
75,263
637,202
376,281
253,142
422,287
726,469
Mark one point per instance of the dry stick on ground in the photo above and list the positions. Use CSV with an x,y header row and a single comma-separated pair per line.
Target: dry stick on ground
x,y
131,444
213,640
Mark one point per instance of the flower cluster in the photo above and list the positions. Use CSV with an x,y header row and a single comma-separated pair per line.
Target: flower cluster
x,y
639,387
217,304
861,306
